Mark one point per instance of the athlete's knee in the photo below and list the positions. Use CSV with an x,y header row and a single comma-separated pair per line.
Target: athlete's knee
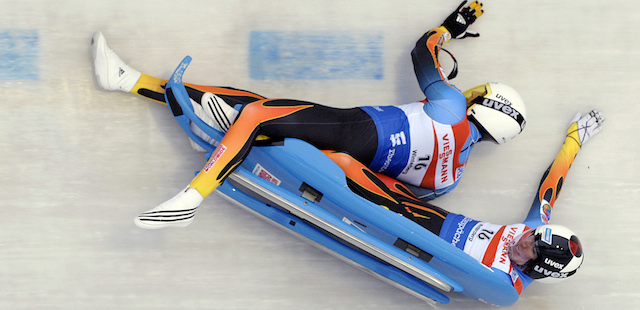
x,y
254,108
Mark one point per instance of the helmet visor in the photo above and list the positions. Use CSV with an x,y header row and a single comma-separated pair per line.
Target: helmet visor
x,y
475,95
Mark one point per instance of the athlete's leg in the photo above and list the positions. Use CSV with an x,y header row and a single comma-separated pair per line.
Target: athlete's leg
x,y
350,130
153,88
388,193
279,118
214,105
114,74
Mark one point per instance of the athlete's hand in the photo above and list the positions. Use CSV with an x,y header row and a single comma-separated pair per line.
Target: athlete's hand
x,y
458,22
586,126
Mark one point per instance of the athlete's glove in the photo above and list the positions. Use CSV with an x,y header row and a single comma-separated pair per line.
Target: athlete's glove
x,y
583,127
458,22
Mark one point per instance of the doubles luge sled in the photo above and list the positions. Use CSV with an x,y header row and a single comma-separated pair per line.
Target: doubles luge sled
x,y
294,185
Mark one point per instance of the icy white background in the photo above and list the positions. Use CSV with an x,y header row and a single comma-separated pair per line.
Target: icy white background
x,y
78,163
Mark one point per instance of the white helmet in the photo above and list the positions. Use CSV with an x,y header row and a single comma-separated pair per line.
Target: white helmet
x,y
497,110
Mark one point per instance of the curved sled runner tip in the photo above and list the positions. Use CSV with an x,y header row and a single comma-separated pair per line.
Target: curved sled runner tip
x,y
179,103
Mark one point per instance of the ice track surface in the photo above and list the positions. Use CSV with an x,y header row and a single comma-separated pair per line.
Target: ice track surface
x,y
79,163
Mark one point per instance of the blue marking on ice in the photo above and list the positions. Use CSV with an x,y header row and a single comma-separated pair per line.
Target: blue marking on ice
x,y
19,50
316,55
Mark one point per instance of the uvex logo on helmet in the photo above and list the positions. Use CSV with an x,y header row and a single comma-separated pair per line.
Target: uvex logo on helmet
x,y
553,264
550,273
505,108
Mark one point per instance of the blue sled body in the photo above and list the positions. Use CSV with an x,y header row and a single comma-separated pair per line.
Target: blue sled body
x,y
296,186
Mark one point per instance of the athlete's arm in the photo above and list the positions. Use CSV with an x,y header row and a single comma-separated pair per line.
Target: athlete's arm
x,y
446,104
580,130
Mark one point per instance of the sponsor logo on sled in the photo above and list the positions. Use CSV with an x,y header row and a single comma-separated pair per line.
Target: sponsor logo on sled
x,y
264,174
215,157
177,78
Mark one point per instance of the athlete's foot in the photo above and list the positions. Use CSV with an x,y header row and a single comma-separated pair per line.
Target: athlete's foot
x,y
216,113
176,212
219,111
111,72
